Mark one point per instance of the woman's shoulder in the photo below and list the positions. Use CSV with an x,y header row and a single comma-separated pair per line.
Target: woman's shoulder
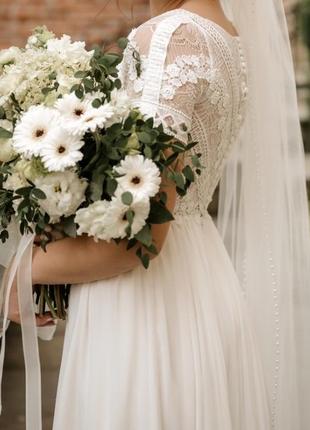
x,y
169,26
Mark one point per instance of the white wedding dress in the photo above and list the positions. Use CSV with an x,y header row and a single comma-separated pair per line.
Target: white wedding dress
x,y
172,347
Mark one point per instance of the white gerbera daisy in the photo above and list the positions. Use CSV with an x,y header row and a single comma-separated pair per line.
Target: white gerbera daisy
x,y
64,191
71,110
90,220
96,117
62,151
35,128
140,176
115,221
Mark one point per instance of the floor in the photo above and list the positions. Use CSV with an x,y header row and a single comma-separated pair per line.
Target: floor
x,y
13,389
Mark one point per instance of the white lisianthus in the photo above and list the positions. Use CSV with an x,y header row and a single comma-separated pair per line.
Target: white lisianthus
x,y
14,181
90,220
61,151
122,106
35,129
68,50
22,172
7,152
30,169
9,55
64,191
140,176
115,221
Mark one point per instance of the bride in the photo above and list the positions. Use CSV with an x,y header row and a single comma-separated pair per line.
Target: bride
x,y
210,337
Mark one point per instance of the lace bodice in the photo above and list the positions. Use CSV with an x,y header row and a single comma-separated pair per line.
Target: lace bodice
x,y
190,74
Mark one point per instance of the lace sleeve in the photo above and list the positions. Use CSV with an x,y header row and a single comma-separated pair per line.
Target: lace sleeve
x,y
168,66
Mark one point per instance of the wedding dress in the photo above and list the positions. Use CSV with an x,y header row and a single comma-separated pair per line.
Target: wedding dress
x,y
172,347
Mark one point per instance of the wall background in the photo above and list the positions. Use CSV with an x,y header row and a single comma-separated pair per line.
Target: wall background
x,y
79,18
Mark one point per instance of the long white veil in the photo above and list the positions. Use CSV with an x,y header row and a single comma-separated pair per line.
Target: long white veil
x,y
263,211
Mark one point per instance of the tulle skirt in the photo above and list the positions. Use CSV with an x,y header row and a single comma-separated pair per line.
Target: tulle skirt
x,y
168,348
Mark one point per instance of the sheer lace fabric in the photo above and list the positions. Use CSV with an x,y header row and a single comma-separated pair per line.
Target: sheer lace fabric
x,y
202,89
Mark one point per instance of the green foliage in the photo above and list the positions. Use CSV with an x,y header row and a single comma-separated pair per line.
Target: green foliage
x,y
103,151
5,134
102,76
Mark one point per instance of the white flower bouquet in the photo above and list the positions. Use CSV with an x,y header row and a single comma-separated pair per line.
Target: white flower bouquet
x,y
75,154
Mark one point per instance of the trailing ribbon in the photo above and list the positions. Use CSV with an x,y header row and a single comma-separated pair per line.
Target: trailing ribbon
x,y
21,265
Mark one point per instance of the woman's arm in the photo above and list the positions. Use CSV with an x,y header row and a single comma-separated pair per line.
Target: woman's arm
x,y
82,260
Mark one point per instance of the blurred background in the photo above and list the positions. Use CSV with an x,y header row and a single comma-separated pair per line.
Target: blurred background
x,y
103,22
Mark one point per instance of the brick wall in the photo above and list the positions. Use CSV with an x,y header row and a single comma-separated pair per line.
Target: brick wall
x,y
82,19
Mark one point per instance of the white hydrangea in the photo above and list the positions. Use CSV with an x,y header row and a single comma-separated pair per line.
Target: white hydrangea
x,y
139,175
9,55
33,67
7,152
9,83
65,192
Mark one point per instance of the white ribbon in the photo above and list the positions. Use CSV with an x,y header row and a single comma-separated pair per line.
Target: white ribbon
x,y
21,265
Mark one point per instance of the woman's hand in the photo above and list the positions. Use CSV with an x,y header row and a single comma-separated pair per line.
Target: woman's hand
x,y
13,315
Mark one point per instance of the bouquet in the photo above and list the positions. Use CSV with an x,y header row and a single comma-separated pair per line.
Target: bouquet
x,y
75,154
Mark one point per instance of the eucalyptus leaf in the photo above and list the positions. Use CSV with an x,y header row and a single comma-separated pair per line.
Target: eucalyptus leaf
x,y
37,193
5,134
145,258
24,191
122,42
145,137
130,216
145,236
96,103
111,185
127,198
2,113
148,152
188,173
159,214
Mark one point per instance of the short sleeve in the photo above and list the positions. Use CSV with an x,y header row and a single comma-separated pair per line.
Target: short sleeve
x,y
168,66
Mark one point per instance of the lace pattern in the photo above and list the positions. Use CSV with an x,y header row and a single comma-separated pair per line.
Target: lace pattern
x,y
201,87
